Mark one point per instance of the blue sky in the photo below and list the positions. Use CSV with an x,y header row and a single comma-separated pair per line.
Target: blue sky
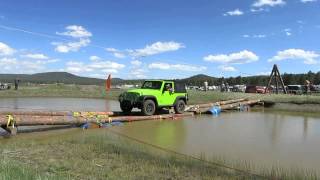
x,y
159,39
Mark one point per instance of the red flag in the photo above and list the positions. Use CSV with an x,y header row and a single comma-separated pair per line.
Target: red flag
x,y
108,83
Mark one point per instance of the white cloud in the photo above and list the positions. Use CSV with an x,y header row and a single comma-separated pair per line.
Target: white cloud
x,y
236,12
94,58
241,57
115,71
227,68
119,55
308,57
5,50
300,22
7,61
259,36
116,53
106,65
272,3
255,36
182,67
35,56
138,73
13,65
76,32
75,67
97,66
288,31
156,48
306,1
71,46
136,63
255,10
80,34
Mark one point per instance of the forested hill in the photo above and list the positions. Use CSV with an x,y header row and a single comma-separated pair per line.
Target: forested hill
x,y
52,77
67,78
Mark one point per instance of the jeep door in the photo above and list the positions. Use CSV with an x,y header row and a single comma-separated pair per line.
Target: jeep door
x,y
167,97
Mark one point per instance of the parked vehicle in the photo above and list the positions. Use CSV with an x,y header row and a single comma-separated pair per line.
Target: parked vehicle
x,y
316,88
4,86
238,88
256,89
295,89
153,95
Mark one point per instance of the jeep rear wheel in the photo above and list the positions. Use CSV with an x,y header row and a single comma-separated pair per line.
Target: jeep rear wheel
x,y
126,107
149,107
179,107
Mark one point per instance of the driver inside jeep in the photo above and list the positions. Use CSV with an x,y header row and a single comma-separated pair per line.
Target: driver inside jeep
x,y
169,88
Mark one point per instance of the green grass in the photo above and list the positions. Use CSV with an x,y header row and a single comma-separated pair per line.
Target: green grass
x,y
92,91
212,96
60,90
97,154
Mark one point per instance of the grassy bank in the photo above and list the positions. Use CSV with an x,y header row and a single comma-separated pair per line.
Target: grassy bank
x,y
60,90
91,91
99,154
96,154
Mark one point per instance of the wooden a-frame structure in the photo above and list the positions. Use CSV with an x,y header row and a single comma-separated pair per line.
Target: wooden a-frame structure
x,y
275,74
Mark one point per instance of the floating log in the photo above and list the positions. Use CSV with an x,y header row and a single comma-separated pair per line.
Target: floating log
x,y
229,106
27,120
209,105
52,113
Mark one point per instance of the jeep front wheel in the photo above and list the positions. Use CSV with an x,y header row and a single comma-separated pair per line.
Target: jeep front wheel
x,y
179,107
149,107
126,107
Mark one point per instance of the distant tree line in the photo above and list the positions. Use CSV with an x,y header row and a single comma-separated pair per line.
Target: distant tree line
x,y
197,80
289,79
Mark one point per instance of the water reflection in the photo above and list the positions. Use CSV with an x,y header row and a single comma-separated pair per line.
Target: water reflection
x,y
58,104
265,139
305,127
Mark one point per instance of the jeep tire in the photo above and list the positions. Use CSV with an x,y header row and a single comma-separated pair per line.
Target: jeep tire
x,y
149,107
126,107
179,106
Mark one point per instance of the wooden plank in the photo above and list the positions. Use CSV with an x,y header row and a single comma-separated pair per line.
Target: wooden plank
x,y
55,113
27,120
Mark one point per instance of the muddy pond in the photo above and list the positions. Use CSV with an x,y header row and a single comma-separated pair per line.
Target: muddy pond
x,y
262,137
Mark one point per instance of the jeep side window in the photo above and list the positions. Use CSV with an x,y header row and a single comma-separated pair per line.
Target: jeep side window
x,y
152,85
168,87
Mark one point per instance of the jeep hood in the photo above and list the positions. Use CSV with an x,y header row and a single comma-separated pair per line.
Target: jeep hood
x,y
144,91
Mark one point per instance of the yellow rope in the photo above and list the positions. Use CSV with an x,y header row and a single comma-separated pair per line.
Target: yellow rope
x,y
76,114
10,120
110,120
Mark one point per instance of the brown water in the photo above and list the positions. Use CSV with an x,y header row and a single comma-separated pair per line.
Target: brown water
x,y
264,139
58,104
261,137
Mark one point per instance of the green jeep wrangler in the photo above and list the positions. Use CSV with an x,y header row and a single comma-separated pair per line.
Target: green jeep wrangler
x,y
153,95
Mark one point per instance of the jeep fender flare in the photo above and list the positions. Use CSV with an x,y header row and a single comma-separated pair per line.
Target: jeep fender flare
x,y
180,98
143,98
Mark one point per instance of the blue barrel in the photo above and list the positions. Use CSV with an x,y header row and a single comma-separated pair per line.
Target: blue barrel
x,y
215,110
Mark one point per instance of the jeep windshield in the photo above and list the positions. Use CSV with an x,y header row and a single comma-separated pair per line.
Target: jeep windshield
x,y
151,85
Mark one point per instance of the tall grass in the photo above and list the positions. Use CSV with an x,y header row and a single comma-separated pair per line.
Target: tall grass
x,y
99,154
